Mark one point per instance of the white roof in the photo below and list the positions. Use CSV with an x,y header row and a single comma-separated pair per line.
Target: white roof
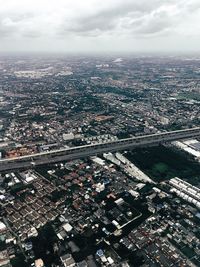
x,y
39,263
110,260
67,227
2,226
29,179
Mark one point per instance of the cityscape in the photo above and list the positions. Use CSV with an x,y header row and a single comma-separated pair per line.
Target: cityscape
x,y
99,133
137,207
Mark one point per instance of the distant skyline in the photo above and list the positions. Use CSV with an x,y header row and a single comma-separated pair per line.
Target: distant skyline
x,y
96,26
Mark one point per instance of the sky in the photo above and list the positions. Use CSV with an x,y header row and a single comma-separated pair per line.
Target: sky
x,y
100,26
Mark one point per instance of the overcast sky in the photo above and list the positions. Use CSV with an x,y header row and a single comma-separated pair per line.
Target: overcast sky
x,y
100,25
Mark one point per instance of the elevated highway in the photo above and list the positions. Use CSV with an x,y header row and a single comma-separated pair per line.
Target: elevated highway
x,y
66,154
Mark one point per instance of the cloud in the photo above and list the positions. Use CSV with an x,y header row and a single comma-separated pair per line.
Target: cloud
x,y
71,19
114,18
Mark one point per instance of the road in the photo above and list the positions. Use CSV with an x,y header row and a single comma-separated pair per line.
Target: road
x,y
66,154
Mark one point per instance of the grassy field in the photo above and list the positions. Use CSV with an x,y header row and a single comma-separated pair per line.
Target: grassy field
x,y
162,163
189,95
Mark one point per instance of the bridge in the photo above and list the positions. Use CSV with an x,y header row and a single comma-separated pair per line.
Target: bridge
x,y
66,154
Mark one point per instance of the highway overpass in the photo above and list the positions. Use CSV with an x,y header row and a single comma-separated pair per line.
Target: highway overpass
x,y
66,154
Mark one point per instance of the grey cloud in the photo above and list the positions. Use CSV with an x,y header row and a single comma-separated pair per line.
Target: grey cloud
x,y
5,29
75,24
135,17
17,24
108,19
151,24
118,17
